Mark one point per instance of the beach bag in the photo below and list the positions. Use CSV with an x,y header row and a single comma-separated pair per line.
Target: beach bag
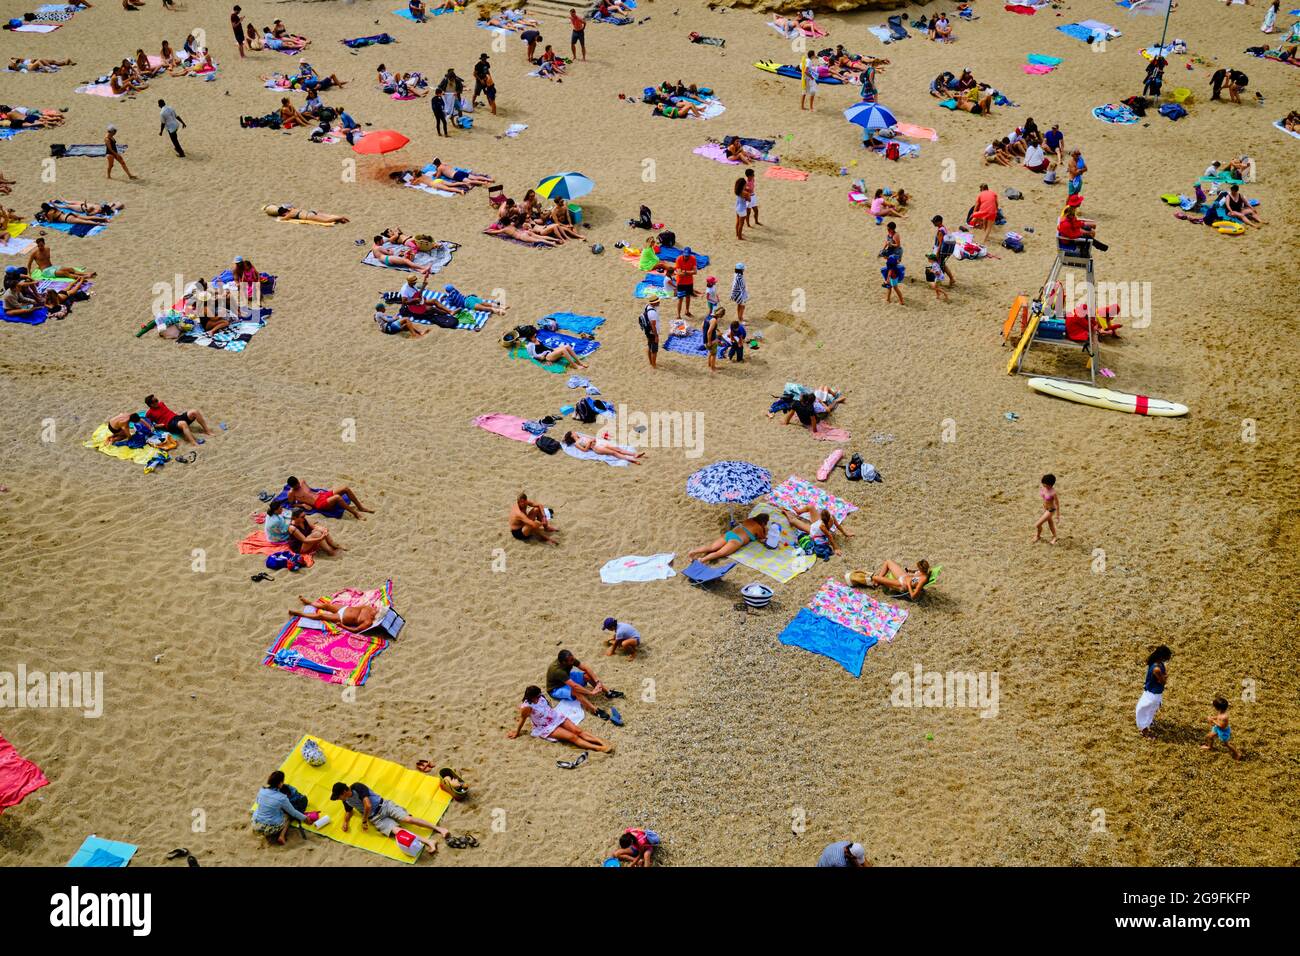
x,y
409,843
1014,242
1014,194
547,444
425,243
891,151
853,468
297,799
312,753
584,411
668,239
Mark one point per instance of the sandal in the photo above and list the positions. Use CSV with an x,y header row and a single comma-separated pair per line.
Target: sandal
x,y
261,576
572,764
614,694
424,766
185,459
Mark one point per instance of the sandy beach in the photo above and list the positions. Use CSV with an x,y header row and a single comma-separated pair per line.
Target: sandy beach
x,y
738,750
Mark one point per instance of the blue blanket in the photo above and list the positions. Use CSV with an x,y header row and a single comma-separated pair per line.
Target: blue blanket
x,y
1076,31
99,852
572,322
823,636
35,318
669,254
581,347
692,343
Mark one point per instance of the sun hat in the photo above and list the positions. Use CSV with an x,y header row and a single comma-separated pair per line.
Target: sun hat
x,y
858,852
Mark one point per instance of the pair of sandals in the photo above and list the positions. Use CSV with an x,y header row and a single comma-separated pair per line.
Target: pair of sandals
x,y
262,576
612,715
183,852
572,764
465,842
185,459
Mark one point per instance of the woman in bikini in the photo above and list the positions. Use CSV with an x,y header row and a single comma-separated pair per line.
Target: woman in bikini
x,y
561,353
515,229
289,115
51,213
549,724
898,578
751,529
350,617
293,213
819,523
1051,506
390,254
588,443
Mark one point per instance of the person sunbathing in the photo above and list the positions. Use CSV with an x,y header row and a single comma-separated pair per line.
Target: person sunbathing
x,y
900,579
295,214
679,109
40,258
51,213
1240,168
390,255
460,175
285,42
326,499
457,300
751,529
1240,208
37,65
351,617
588,443
528,519
289,115
562,220
561,353
19,117
307,537
515,229
970,101
549,724
819,524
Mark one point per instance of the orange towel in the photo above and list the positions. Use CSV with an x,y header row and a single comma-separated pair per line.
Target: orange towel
x,y
781,172
916,132
256,543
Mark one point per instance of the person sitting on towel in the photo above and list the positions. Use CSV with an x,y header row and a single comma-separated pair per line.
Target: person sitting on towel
x,y
275,805
561,353
569,679
751,529
528,519
386,815
809,411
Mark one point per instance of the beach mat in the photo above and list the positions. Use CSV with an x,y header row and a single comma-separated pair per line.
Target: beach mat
x,y
785,562
858,611
573,322
507,426
437,259
233,338
258,543
349,657
101,442
819,635
98,852
555,368
421,794
19,777
796,492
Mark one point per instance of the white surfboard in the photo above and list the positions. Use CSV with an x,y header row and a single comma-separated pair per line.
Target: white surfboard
x,y
1106,398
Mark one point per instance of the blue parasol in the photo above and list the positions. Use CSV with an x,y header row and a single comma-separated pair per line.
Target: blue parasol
x,y
869,116
729,483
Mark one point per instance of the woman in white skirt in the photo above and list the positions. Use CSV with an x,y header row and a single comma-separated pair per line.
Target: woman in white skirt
x,y
1153,689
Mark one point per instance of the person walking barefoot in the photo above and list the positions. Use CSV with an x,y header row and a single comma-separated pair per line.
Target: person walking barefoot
x,y
742,207
1051,509
1153,689
1219,728
115,155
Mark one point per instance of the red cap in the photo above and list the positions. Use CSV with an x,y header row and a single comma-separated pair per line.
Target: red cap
x,y
1075,200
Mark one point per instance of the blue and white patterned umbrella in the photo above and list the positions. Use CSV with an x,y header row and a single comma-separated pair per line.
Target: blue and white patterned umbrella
x,y
869,116
729,482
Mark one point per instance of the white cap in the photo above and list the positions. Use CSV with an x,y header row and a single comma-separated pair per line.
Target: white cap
x,y
858,852
112,128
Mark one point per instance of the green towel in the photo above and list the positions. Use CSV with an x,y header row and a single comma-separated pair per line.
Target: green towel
x,y
555,368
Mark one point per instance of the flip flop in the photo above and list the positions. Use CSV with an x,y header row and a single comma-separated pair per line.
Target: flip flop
x,y
457,842
265,496
572,764
424,766
614,694
186,459
615,717
178,853
261,576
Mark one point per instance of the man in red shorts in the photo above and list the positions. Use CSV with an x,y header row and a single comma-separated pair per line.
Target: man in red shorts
x,y
344,498
163,417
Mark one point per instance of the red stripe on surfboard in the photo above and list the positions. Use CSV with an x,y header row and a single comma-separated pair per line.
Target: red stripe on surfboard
x,y
1141,401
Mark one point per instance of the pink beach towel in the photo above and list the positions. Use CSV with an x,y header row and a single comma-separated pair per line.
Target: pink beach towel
x,y
912,131
826,433
795,492
339,656
98,89
716,153
1036,69
857,611
507,426
782,172
19,777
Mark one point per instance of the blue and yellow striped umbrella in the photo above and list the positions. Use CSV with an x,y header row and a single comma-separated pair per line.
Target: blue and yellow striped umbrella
x,y
565,186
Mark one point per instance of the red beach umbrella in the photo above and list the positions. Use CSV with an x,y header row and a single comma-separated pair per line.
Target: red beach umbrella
x,y
380,141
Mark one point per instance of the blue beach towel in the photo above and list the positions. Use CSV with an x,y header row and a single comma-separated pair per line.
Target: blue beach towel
x,y
99,852
35,318
81,230
581,347
572,322
670,254
823,636
1043,60
692,343
1076,31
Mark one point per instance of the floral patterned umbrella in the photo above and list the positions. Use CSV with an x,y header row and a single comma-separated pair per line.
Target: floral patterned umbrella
x,y
729,483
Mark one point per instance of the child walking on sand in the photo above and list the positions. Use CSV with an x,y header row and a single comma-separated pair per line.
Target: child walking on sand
x,y
1219,728
1051,509
934,275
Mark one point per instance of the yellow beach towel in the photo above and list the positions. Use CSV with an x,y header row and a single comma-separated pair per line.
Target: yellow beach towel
x,y
100,441
419,793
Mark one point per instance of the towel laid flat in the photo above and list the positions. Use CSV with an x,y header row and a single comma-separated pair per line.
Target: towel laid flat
x,y
636,567
796,492
507,426
555,368
257,543
98,852
19,777
784,562
916,132
782,172
572,322
574,452
858,611
820,635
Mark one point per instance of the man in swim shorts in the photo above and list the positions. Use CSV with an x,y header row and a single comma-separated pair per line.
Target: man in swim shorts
x,y
326,500
578,38
529,520
684,269
164,418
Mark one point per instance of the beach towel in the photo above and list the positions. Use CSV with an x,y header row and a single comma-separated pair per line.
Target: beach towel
x,y
782,172
574,452
436,259
1292,133
8,132
233,338
431,190
470,319
784,562
357,43
1021,9
19,777
882,34
916,132
555,368
101,441
896,29
614,21
1115,113
692,343
858,611
97,150
507,426
98,852
514,129
1076,31
671,253
1044,60
406,15
421,794
1036,69
820,635
827,433
37,28
12,245
79,230
650,290
553,340
1100,29
572,322
636,567
326,651
716,153
36,317
257,543
904,149
796,492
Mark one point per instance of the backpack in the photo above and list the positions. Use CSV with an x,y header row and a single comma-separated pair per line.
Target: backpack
x,y
853,468
644,320
891,151
547,444
668,239
585,411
